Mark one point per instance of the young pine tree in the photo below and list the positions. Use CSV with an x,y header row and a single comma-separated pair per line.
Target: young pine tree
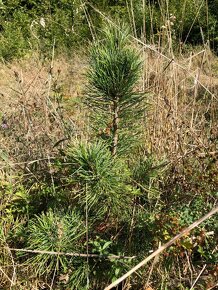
x,y
113,73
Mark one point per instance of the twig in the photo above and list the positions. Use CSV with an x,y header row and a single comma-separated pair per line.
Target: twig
x,y
49,84
13,279
89,21
133,18
9,279
202,270
27,162
152,267
189,267
169,63
161,249
213,287
71,254
196,16
87,238
54,273
196,280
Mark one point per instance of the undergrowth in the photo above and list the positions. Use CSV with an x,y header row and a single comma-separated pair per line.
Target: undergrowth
x,y
103,161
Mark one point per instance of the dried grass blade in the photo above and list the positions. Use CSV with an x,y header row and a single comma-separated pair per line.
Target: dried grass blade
x,y
161,249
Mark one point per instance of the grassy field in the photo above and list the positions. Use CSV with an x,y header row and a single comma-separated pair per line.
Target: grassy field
x,y
83,214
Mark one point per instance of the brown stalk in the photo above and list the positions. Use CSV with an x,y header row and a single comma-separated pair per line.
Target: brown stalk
x,y
162,248
115,128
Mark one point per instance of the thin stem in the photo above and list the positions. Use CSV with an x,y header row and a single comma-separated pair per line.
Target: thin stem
x,y
115,128
70,254
162,248
87,240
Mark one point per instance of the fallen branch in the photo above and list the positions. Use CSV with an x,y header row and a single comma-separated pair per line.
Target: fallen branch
x,y
161,249
71,254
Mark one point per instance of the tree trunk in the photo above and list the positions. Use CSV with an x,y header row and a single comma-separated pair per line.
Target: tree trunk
x,y
115,128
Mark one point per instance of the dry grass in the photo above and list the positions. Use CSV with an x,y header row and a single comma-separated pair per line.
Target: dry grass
x,y
183,87
182,115
42,111
40,107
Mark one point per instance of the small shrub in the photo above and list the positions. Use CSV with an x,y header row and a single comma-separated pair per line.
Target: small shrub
x,y
56,232
113,73
101,178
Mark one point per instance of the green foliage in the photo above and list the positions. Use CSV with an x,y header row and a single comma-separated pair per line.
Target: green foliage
x,y
38,25
100,246
27,25
147,174
56,232
101,178
89,199
113,73
14,199
14,45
